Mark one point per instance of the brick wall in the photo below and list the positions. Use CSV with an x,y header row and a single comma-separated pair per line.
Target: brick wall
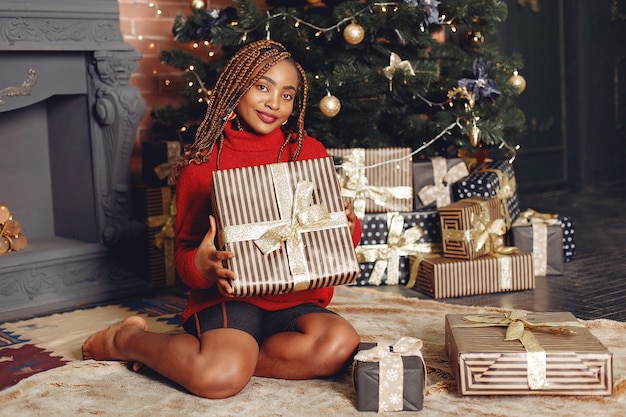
x,y
147,26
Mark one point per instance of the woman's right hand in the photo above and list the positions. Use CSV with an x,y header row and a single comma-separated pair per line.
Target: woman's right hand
x,y
210,262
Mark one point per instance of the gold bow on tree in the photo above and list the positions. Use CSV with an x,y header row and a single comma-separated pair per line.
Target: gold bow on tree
x,y
396,64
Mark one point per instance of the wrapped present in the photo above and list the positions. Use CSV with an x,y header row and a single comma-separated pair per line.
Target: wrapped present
x,y
519,353
387,241
287,225
472,227
569,241
441,277
542,235
390,378
495,179
432,180
157,159
375,180
156,208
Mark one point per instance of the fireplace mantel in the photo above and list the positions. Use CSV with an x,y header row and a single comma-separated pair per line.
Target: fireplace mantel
x,y
67,110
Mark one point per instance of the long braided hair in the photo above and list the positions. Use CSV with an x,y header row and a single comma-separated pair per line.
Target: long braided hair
x,y
241,72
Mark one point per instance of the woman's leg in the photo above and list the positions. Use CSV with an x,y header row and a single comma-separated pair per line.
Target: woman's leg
x,y
218,365
320,346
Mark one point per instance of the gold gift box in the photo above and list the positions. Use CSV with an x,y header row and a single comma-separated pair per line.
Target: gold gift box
x,y
441,277
566,358
286,224
472,227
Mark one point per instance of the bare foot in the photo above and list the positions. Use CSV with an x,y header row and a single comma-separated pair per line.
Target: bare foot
x,y
102,345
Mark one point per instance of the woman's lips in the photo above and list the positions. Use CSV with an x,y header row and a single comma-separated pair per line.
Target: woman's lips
x,y
267,118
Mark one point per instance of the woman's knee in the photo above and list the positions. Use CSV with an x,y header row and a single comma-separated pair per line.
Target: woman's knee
x,y
336,349
219,380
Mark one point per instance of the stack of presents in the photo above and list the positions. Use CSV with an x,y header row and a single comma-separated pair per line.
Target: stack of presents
x,y
434,226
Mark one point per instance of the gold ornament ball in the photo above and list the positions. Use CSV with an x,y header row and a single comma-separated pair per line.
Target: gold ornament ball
x,y
475,38
354,33
330,106
518,82
197,4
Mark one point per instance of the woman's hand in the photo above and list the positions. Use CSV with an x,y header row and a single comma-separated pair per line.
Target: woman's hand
x,y
210,262
350,215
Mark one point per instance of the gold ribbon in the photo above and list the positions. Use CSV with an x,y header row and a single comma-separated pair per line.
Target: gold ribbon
x,y
443,179
164,239
355,185
506,190
391,370
416,260
484,233
387,256
539,223
520,329
11,237
397,64
297,215
164,170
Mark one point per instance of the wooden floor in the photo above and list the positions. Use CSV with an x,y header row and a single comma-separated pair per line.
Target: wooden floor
x,y
593,285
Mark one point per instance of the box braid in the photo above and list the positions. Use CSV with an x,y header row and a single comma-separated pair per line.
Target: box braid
x,y
241,72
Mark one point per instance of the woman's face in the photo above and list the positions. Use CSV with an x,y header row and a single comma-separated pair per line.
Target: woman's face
x,y
269,102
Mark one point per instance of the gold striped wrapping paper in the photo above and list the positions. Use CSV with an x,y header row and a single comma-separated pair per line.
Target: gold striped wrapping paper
x,y
441,277
378,180
484,363
464,217
247,202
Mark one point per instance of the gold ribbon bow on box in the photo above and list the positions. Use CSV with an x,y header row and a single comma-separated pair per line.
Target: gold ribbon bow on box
x,y
443,179
539,223
164,239
506,190
520,329
397,64
391,370
355,185
298,214
11,237
164,170
399,243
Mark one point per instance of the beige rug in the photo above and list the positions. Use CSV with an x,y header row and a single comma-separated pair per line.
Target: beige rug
x,y
88,388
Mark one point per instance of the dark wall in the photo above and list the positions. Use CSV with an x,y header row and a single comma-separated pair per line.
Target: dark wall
x,y
575,101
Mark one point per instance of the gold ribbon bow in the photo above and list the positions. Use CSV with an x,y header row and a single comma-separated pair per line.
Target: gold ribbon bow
x,y
11,237
506,190
443,178
485,232
164,170
355,185
297,215
391,370
397,64
539,223
387,256
164,239
520,329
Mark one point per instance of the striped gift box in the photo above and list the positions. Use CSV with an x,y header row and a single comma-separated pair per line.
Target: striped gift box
x,y
566,361
470,226
376,180
286,224
441,277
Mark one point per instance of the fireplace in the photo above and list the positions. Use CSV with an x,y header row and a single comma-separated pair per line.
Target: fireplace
x,y
68,120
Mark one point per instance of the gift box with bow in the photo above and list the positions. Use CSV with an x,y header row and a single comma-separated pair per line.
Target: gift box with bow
x,y
432,180
472,227
157,159
519,353
495,179
441,277
375,180
542,235
387,241
390,378
286,224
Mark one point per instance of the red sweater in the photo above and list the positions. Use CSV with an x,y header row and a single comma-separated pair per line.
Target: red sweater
x,y
193,206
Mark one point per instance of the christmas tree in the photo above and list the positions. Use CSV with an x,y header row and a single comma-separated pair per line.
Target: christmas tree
x,y
413,73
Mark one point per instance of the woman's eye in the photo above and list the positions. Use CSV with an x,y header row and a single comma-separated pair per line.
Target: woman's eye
x,y
288,97
262,87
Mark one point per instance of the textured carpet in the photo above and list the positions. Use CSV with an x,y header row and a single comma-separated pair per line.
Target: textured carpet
x,y
87,388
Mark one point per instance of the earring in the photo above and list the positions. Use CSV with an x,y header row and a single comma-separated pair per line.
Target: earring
x,y
285,122
232,115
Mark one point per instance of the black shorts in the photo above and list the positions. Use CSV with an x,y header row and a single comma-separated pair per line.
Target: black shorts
x,y
249,318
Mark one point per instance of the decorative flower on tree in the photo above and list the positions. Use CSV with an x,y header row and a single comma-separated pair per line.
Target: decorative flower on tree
x,y
430,9
214,17
482,86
